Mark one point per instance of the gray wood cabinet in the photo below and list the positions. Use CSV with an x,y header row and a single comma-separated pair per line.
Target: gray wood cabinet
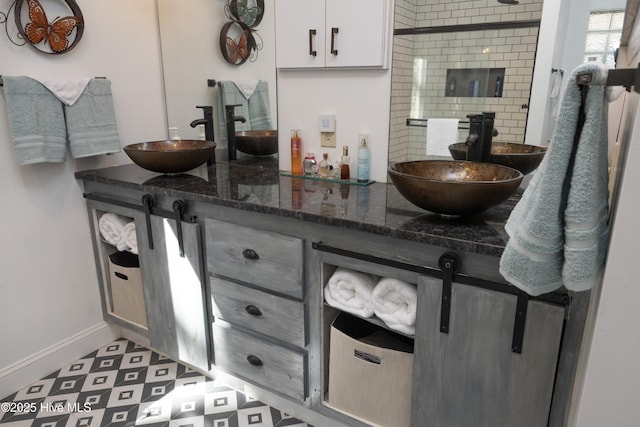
x,y
172,285
247,297
470,376
257,291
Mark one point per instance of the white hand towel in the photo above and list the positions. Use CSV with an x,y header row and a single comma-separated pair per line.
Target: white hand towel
x,y
440,134
247,87
350,291
129,239
111,227
394,301
67,91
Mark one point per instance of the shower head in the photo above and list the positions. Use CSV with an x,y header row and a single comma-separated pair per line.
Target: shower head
x,y
509,2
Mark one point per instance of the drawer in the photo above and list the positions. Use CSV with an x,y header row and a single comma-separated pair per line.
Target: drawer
x,y
271,315
269,365
269,260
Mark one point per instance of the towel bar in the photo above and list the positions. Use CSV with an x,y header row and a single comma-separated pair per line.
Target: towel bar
x,y
423,123
2,82
627,77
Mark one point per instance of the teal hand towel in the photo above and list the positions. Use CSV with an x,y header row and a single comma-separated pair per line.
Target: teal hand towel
x,y
36,121
558,232
254,108
91,121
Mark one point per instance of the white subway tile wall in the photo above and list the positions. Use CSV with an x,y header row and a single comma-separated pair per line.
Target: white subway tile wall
x,y
430,55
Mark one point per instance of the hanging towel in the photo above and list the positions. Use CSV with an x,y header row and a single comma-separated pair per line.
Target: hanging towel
x,y
558,231
440,134
91,121
36,121
350,291
254,108
394,301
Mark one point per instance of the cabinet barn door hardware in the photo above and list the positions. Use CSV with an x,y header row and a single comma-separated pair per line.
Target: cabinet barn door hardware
x,y
148,202
179,208
148,207
449,264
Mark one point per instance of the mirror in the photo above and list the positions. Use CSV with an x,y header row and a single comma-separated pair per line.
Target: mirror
x,y
431,39
192,57
460,69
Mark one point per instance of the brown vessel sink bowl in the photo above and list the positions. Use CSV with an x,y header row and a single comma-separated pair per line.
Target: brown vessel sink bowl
x,y
525,158
257,142
454,187
175,156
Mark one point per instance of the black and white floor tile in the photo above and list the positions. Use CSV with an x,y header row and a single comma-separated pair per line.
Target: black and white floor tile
x,y
124,384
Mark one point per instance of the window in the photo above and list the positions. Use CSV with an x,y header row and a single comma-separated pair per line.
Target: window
x,y
603,36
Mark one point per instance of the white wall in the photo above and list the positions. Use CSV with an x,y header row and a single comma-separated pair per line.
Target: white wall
x,y
48,285
358,99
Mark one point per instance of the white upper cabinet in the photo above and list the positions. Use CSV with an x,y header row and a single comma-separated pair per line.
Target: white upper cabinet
x,y
331,33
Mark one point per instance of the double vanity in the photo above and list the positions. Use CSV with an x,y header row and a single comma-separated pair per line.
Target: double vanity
x,y
234,257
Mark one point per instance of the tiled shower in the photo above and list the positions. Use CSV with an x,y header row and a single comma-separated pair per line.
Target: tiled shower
x,y
421,61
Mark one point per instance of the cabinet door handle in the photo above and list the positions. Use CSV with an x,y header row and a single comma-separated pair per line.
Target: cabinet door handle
x,y
178,208
250,254
253,310
254,360
148,202
312,51
334,31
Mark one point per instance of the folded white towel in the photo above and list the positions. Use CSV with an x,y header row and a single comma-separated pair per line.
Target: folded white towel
x,y
111,227
247,87
67,91
440,134
129,240
350,291
394,301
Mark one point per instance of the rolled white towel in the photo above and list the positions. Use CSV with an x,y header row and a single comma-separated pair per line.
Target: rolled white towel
x,y
129,240
394,301
350,291
111,226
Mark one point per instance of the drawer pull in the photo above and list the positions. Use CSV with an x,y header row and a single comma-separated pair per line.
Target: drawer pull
x,y
253,310
250,254
254,360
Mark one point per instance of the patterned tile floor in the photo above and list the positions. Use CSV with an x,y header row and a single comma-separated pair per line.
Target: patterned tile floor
x,y
124,384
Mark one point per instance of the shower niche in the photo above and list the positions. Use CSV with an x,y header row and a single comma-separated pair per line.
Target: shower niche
x,y
475,82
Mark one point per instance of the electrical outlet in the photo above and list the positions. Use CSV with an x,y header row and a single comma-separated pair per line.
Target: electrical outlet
x,y
328,139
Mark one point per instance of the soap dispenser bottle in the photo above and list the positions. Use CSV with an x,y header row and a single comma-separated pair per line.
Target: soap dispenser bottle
x,y
364,157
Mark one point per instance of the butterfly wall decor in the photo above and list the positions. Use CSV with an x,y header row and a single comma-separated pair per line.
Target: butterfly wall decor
x,y
56,36
239,40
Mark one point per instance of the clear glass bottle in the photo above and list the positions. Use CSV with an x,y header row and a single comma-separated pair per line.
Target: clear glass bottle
x,y
310,164
345,173
324,167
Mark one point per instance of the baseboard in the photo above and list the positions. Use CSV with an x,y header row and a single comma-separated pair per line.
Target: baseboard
x,y
40,364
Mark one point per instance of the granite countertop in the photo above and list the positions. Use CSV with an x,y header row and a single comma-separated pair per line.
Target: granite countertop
x,y
255,184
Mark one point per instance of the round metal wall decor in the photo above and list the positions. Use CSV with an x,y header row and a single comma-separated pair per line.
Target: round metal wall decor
x,y
51,37
239,40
